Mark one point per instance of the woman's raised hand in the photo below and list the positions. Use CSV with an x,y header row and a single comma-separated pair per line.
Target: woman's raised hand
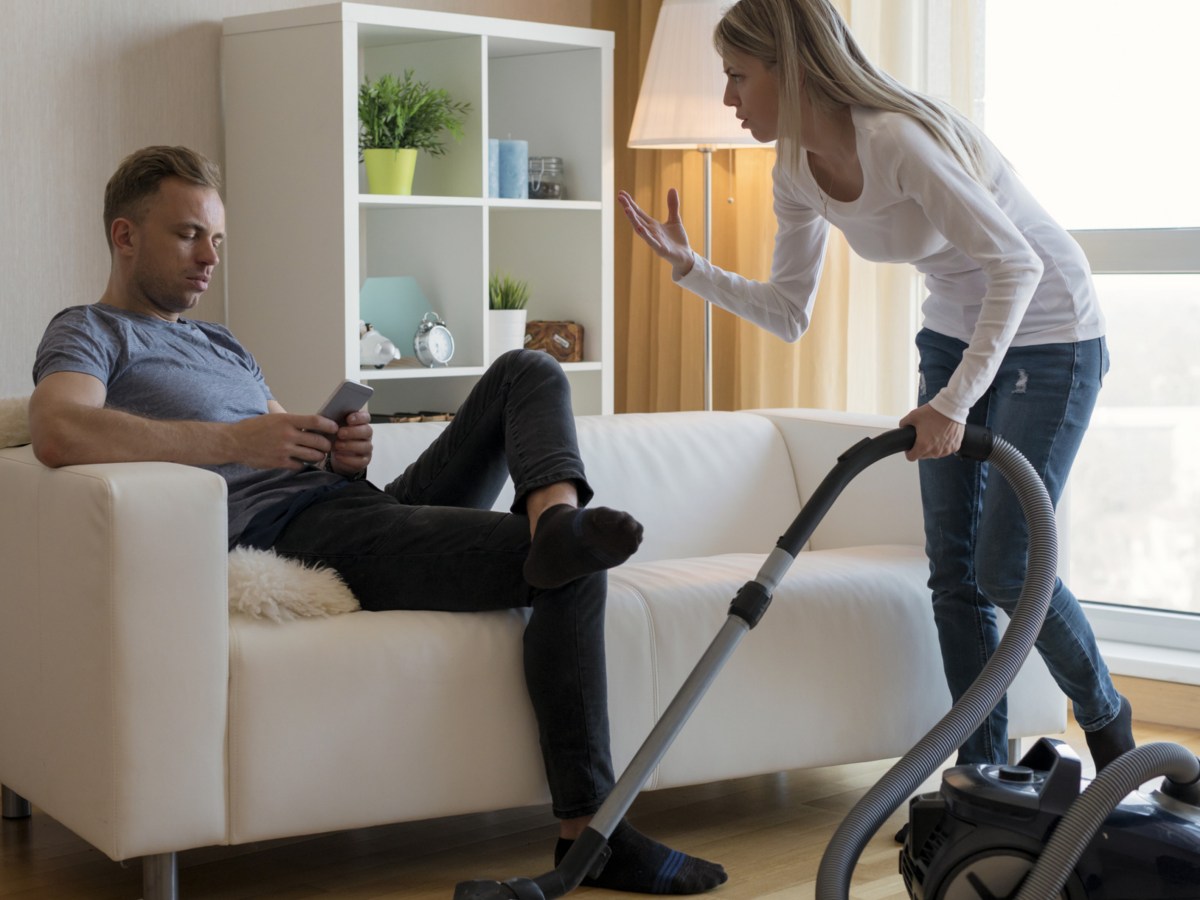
x,y
667,239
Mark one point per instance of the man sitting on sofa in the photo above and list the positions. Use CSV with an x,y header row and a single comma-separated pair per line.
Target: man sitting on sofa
x,y
129,379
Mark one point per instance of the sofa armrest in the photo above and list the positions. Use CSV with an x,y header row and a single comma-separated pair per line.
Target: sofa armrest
x,y
114,652
882,505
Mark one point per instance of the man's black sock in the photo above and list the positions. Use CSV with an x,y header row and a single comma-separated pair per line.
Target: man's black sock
x,y
1114,739
569,543
641,865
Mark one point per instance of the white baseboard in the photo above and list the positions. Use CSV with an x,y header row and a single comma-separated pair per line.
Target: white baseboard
x,y
1157,663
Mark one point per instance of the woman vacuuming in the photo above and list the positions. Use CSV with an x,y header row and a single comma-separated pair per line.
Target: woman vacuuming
x,y
1012,337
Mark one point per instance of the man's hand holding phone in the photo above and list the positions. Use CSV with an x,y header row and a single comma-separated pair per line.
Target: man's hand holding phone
x,y
339,433
352,447
351,451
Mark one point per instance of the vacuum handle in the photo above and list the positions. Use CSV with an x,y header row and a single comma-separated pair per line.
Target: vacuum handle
x,y
976,443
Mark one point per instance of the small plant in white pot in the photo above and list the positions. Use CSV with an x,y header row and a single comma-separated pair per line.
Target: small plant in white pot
x,y
397,118
507,297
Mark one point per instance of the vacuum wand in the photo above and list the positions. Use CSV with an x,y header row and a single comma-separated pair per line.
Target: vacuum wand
x,y
589,853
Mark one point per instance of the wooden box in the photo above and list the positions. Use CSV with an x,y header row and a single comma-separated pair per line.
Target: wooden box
x,y
562,340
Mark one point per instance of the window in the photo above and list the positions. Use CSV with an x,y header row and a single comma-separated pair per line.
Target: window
x,y
1090,103
1093,104
1135,502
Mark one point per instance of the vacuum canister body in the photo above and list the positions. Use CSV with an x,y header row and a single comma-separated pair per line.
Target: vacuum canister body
x,y
982,833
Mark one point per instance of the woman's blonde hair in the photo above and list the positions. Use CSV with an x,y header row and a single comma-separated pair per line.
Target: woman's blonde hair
x,y
810,47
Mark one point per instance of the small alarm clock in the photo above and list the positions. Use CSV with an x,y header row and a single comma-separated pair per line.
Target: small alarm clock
x,y
433,343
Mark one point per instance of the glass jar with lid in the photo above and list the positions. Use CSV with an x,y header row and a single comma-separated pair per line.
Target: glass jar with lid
x,y
546,178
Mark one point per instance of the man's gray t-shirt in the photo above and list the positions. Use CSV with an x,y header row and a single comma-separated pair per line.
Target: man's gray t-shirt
x,y
186,370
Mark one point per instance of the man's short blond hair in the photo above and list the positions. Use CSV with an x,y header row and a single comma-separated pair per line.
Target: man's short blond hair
x,y
140,174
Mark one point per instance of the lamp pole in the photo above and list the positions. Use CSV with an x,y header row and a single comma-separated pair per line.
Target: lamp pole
x,y
708,313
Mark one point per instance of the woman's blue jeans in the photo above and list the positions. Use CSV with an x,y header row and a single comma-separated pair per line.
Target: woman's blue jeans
x,y
975,534
430,541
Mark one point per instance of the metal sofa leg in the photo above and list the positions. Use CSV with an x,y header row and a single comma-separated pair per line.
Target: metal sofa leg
x,y
160,877
15,806
160,873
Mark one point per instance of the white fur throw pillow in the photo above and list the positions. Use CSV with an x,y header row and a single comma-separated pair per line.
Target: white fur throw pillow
x,y
14,421
265,585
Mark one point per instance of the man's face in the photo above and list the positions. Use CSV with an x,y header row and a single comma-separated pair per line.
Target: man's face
x,y
173,247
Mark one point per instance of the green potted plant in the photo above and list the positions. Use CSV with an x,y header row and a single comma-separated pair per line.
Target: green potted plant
x,y
396,119
507,297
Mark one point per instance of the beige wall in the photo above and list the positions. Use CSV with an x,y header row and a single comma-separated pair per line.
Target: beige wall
x,y
83,83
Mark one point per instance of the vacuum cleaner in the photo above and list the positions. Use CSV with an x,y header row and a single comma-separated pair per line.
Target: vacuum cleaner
x,y
1026,831
1022,831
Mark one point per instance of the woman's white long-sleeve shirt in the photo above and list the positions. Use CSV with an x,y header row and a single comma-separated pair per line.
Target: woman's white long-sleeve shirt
x,y
999,270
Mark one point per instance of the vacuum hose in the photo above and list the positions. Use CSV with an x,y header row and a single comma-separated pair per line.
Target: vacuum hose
x,y
844,850
1077,828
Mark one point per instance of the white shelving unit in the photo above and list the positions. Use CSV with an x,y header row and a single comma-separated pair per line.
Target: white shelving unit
x,y
304,234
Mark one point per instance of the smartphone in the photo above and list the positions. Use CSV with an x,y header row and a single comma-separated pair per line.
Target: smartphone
x,y
350,396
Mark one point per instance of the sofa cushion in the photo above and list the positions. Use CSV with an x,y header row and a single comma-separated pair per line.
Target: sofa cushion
x,y
882,505
700,482
416,701
847,629
432,716
842,624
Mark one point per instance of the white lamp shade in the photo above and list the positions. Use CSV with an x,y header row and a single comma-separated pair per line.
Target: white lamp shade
x,y
679,105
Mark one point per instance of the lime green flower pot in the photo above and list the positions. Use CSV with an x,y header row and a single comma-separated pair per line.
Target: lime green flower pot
x,y
390,171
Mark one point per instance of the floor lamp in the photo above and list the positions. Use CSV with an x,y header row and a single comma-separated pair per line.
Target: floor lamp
x,y
679,108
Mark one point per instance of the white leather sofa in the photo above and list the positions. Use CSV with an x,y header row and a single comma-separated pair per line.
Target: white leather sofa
x,y
141,717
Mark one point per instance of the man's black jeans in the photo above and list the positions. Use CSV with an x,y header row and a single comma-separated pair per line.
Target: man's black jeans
x,y
430,541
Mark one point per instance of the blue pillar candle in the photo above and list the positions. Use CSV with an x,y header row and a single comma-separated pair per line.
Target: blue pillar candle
x,y
514,169
493,168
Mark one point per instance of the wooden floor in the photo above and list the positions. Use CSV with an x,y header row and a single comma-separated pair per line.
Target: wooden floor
x,y
769,832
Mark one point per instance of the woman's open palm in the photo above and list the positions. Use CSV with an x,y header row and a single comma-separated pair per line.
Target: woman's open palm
x,y
667,239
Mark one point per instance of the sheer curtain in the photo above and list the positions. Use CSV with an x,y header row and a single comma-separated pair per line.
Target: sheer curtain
x,y
934,46
858,353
